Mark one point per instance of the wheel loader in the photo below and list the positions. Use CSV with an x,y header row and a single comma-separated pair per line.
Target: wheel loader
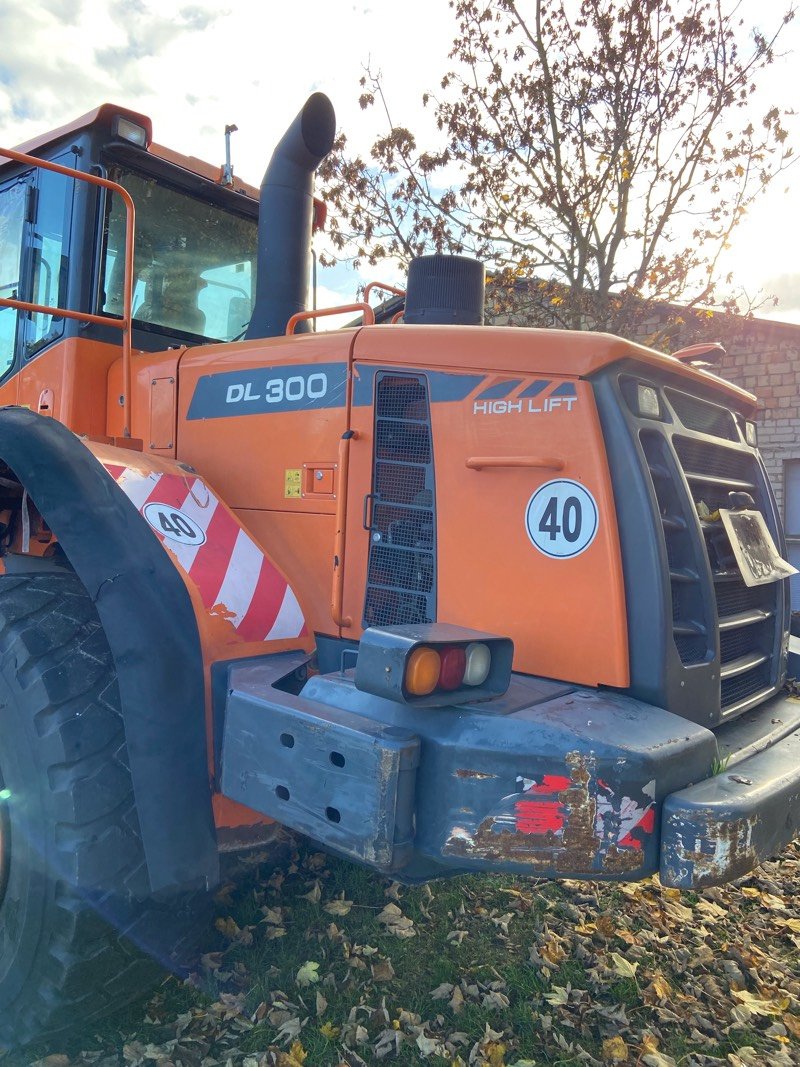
x,y
442,596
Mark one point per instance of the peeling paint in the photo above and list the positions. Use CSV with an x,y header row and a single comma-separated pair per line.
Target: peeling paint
x,y
572,823
479,776
723,852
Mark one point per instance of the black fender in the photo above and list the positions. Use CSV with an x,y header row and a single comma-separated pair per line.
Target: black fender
x,y
151,628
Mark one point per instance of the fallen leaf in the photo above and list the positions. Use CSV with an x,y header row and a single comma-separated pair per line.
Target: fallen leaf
x,y
558,996
623,967
382,971
314,895
308,974
615,1050
338,907
759,1005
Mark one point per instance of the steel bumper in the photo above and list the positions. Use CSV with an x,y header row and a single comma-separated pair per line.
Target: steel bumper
x,y
723,827
549,780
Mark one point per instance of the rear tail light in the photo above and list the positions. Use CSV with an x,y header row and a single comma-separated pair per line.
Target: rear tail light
x,y
479,661
423,669
433,665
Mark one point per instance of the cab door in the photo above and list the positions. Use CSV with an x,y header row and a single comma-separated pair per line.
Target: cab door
x,y
14,206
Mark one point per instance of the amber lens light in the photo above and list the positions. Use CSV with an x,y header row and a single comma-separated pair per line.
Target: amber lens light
x,y
478,662
454,663
423,667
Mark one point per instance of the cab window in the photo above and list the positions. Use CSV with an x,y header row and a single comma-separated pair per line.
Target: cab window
x,y
194,262
13,200
49,246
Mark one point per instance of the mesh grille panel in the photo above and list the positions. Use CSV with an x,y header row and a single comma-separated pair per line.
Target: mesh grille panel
x,y
394,566
401,571
699,457
735,597
386,607
691,648
734,690
406,485
406,442
402,398
699,415
736,643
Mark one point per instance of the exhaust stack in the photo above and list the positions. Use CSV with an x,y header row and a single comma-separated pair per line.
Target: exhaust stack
x,y
285,216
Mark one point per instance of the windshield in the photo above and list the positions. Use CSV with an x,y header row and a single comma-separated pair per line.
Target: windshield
x,y
194,262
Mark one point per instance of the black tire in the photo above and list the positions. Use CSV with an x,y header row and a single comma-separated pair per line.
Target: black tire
x,y
79,937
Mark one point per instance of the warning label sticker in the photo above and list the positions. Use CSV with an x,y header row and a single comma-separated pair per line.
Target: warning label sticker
x,y
292,484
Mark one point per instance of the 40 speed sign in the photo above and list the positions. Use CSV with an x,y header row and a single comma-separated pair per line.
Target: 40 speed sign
x,y
561,518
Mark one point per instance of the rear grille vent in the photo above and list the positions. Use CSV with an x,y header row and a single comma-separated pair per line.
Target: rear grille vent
x,y
706,460
690,620
746,616
700,415
401,572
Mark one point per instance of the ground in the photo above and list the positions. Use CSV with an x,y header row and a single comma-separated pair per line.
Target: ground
x,y
318,962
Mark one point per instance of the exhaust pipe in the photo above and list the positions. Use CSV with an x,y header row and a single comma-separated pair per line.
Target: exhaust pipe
x,y
285,216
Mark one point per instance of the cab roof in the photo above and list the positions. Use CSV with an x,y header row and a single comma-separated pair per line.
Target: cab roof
x,y
104,115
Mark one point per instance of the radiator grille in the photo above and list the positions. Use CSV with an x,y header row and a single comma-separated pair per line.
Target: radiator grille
x,y
696,414
691,625
747,616
401,571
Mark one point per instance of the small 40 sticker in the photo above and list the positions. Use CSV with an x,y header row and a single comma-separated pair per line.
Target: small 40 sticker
x,y
561,519
171,523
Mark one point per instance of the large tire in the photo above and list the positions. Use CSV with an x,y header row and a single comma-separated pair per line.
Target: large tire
x,y
79,936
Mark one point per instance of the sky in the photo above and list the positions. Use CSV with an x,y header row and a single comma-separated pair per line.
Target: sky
x,y
195,66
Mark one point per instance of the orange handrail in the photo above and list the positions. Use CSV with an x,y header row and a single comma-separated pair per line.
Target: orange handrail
x,y
382,285
124,323
319,313
479,463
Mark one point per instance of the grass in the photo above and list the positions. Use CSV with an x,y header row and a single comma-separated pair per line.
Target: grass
x,y
541,969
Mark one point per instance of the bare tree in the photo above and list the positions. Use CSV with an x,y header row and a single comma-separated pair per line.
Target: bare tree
x,y
605,148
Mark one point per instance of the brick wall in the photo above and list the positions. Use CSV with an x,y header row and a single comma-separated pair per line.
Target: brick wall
x,y
766,360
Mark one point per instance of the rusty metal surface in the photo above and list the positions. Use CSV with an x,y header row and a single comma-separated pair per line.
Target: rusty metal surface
x,y
566,824
566,786
725,826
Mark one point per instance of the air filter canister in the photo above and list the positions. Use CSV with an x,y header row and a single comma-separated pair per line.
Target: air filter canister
x,y
445,290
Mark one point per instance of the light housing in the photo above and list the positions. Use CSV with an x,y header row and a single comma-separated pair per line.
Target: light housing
x,y
647,401
126,130
433,664
751,434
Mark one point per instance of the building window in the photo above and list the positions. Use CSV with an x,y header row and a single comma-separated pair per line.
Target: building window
x,y
791,506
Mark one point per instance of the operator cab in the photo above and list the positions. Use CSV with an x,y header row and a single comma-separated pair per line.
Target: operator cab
x,y
195,242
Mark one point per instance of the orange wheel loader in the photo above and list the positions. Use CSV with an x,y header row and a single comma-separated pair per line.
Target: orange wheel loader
x,y
441,596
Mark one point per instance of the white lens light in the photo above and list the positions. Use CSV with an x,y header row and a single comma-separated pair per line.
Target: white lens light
x,y
647,401
130,131
751,434
479,661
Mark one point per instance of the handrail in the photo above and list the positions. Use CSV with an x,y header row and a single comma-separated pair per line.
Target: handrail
x,y
382,285
124,323
479,463
320,313
337,590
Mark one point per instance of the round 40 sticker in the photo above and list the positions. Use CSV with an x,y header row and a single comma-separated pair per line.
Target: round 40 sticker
x,y
171,523
561,518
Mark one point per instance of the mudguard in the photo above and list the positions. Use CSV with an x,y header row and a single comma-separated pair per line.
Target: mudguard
x,y
150,624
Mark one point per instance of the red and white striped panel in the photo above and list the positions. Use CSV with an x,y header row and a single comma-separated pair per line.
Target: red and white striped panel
x,y
233,576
